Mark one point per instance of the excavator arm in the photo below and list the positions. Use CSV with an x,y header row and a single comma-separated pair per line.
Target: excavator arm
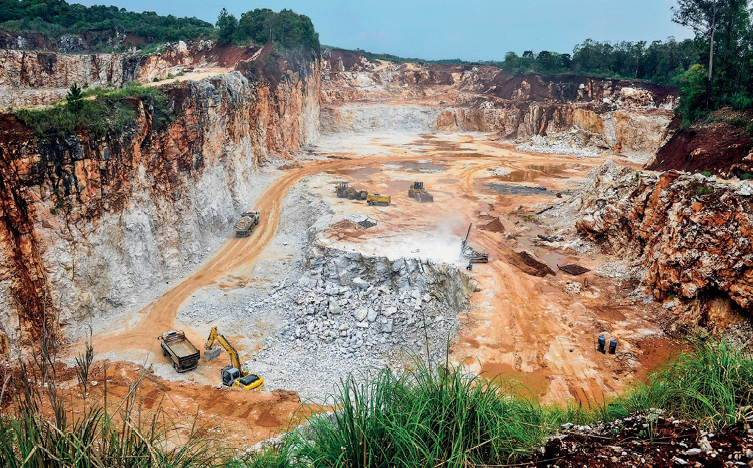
x,y
214,335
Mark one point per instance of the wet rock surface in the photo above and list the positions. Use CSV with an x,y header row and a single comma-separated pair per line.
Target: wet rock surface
x,y
652,440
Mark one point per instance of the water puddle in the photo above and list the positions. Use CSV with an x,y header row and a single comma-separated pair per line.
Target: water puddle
x,y
550,169
507,189
521,176
419,166
360,173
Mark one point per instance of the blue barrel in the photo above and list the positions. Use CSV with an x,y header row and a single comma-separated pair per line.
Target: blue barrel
x,y
612,346
602,344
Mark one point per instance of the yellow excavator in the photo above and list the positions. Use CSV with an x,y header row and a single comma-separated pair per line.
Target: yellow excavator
x,y
232,375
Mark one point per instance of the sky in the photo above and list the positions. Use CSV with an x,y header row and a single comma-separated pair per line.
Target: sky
x,y
446,29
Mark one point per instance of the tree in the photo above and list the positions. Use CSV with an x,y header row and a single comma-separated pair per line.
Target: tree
x,y
227,24
75,98
700,15
693,89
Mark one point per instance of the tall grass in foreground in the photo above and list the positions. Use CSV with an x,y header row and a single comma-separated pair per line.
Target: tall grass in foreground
x,y
42,429
713,384
426,418
452,418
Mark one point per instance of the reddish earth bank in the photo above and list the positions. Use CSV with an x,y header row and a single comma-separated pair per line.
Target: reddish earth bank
x,y
690,233
723,146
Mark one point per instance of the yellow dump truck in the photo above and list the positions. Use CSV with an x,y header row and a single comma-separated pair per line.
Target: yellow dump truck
x,y
376,199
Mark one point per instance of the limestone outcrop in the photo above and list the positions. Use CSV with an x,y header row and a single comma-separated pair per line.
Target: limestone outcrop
x,y
691,233
96,225
631,118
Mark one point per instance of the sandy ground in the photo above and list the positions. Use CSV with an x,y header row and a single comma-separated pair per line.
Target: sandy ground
x,y
539,330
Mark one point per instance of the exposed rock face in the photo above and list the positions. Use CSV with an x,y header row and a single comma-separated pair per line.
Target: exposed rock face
x,y
95,225
629,117
693,235
39,77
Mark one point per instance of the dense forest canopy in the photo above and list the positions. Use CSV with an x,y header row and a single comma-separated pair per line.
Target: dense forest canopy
x,y
57,17
286,28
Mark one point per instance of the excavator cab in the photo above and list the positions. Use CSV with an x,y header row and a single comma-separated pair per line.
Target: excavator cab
x,y
342,190
229,375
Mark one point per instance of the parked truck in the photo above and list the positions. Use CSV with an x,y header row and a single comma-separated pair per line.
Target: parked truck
x,y
181,352
376,199
245,226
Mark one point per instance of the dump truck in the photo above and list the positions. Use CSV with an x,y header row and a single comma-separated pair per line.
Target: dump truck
x,y
181,352
233,375
376,199
470,253
418,192
344,191
245,226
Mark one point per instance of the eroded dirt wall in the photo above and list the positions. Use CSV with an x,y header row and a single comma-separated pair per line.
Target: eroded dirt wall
x,y
96,225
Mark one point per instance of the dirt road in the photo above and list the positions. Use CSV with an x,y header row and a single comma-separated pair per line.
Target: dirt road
x,y
537,330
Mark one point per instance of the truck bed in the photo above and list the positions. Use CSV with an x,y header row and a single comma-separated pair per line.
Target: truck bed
x,y
183,348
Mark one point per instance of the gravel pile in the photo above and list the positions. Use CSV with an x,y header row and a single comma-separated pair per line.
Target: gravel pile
x,y
351,313
576,142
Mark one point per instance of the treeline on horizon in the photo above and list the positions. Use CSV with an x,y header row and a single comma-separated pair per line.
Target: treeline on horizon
x,y
708,77
54,18
683,64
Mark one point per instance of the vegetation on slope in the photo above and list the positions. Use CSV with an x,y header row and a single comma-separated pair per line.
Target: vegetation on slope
x,y
96,111
444,417
54,18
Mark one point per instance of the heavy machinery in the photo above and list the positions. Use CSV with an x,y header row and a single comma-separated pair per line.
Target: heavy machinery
x,y
376,199
418,192
470,253
344,191
245,226
232,375
181,352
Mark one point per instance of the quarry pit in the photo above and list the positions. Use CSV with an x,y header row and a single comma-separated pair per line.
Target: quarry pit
x,y
143,243
401,290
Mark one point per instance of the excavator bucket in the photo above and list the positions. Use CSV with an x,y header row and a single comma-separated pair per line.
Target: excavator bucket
x,y
212,353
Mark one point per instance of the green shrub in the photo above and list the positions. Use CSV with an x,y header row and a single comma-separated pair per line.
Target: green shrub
x,y
98,112
704,190
706,173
